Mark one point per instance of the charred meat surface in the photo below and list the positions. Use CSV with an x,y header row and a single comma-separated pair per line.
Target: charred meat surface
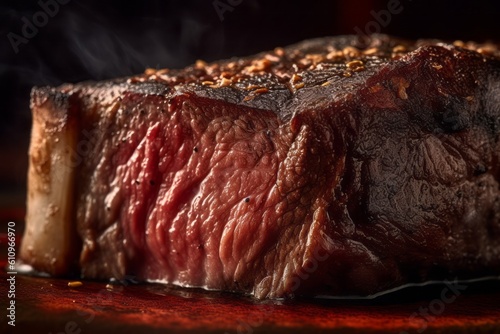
x,y
323,168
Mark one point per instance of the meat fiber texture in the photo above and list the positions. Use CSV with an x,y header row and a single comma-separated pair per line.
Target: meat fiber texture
x,y
330,167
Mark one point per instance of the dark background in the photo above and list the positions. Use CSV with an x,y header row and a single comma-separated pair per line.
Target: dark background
x,y
96,40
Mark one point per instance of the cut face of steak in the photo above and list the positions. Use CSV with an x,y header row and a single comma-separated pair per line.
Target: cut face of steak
x,y
324,168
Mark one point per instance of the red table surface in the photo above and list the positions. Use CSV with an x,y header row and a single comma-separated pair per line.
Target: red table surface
x,y
47,305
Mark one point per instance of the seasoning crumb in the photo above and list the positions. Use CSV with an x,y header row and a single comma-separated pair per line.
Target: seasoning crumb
x,y
350,52
326,83
207,83
109,286
251,87
486,50
225,82
315,58
259,65
347,74
437,66
75,284
280,52
401,84
299,85
399,48
296,77
261,90
200,64
333,55
370,52
355,65
402,93
272,58
150,71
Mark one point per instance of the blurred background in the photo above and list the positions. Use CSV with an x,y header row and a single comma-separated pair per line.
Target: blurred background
x,y
49,42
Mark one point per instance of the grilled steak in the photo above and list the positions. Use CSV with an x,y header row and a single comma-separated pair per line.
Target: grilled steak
x,y
323,168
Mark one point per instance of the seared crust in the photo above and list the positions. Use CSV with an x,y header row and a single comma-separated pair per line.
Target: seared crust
x,y
388,151
308,74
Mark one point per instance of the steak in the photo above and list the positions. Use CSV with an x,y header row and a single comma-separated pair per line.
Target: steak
x,y
329,167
